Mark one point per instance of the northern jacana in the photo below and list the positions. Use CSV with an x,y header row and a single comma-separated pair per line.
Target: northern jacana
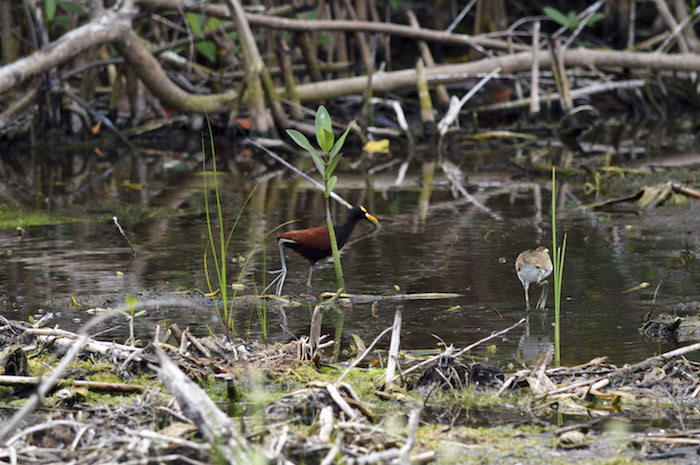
x,y
315,243
534,266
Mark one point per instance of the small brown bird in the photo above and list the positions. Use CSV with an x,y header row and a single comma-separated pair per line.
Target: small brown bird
x,y
534,266
315,243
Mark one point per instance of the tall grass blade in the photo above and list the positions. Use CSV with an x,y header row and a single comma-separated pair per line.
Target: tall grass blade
x,y
558,262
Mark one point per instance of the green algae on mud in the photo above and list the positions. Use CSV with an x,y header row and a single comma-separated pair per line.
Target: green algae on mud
x,y
13,216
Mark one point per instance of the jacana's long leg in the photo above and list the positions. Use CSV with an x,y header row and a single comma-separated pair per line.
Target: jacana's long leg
x,y
308,281
542,302
280,276
283,271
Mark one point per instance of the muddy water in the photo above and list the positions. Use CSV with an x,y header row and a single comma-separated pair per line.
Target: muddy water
x,y
447,246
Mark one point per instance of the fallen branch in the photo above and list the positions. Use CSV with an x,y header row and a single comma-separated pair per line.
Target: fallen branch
x,y
366,298
216,427
106,27
639,366
17,381
389,81
364,354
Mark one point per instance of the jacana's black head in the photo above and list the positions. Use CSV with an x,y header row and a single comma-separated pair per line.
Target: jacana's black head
x,y
358,213
342,233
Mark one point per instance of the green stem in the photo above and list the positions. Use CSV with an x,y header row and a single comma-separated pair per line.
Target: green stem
x,y
331,231
555,253
334,246
558,262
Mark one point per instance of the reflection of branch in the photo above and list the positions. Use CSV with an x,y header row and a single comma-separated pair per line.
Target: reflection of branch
x,y
100,117
454,175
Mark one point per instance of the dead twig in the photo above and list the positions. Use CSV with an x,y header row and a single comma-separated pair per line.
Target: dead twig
x,y
394,347
364,354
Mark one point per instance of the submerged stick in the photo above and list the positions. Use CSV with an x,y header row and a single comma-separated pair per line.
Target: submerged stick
x,y
367,298
121,231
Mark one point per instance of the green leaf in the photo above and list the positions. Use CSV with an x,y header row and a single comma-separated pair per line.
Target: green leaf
x,y
130,303
325,139
331,165
31,319
302,141
212,24
140,313
318,161
556,15
208,49
596,18
331,184
72,8
60,24
195,22
323,120
339,143
50,6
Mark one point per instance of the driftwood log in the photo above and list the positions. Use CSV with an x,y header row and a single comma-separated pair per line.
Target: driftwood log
x,y
110,26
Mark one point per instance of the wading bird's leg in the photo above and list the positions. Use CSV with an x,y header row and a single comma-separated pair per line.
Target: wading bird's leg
x,y
542,302
527,297
283,271
308,281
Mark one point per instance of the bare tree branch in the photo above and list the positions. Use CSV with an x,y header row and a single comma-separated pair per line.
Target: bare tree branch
x,y
106,27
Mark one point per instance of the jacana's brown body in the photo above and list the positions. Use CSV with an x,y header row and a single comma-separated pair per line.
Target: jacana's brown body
x,y
312,243
315,243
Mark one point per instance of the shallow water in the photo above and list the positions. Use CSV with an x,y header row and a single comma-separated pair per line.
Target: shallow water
x,y
450,246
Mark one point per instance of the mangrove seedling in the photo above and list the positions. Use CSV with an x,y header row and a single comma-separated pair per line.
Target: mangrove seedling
x,y
326,163
130,313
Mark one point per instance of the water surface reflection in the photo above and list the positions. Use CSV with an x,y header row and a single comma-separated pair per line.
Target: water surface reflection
x,y
449,247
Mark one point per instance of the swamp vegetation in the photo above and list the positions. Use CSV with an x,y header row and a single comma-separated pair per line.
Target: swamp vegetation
x,y
150,154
